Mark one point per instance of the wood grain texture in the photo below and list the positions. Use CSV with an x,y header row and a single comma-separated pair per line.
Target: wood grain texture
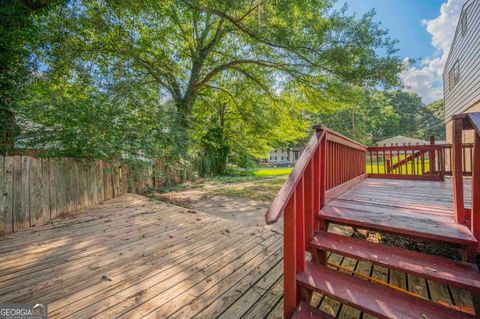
x,y
134,257
372,298
460,274
420,209
36,190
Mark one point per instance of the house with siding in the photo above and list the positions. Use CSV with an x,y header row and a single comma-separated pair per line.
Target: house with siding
x,y
401,140
284,156
461,75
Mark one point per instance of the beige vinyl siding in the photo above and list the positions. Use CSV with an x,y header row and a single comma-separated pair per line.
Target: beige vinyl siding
x,y
466,50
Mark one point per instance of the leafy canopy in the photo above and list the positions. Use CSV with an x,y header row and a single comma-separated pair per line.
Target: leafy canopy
x,y
196,77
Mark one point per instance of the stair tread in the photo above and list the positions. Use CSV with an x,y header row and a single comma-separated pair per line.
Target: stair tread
x,y
401,222
305,311
450,272
371,297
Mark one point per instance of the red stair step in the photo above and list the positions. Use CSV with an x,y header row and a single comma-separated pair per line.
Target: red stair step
x,y
371,297
305,311
408,224
450,272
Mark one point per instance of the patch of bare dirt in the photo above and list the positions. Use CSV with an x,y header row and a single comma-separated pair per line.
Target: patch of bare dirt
x,y
242,210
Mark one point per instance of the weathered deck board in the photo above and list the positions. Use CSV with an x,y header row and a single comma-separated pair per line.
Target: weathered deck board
x,y
421,209
134,257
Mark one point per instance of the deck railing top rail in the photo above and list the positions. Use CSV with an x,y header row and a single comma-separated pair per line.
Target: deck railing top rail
x,y
288,188
336,137
321,133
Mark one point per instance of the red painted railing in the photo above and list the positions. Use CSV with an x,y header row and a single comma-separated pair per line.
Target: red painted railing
x,y
467,159
330,164
464,215
419,162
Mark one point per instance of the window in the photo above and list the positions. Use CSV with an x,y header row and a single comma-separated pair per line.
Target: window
x,y
463,22
296,154
453,76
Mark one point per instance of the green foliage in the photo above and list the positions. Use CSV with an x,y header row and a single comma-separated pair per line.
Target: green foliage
x,y
433,120
205,81
377,115
81,121
370,117
18,32
16,26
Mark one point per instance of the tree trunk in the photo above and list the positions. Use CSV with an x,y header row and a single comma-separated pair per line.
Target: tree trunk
x,y
8,129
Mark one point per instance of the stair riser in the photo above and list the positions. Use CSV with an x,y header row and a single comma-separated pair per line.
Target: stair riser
x,y
372,298
394,231
473,289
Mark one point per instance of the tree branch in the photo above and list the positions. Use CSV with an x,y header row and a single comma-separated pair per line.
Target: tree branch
x,y
231,65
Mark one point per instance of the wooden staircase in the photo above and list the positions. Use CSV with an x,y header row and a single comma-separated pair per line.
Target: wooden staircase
x,y
374,298
312,199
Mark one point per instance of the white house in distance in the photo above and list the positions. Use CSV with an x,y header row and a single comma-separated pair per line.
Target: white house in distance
x,y
284,156
401,140
461,80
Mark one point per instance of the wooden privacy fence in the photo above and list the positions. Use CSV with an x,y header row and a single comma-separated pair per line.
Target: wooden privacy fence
x,y
36,190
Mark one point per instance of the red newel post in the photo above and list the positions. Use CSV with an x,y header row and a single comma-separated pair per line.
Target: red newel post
x,y
457,171
475,214
431,156
316,185
322,170
300,226
309,186
291,295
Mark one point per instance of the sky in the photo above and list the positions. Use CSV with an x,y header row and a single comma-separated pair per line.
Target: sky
x,y
425,29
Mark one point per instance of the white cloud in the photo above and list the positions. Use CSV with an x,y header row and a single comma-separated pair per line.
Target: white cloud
x,y
426,80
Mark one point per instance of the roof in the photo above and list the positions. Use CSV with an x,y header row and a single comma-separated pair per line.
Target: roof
x,y
401,139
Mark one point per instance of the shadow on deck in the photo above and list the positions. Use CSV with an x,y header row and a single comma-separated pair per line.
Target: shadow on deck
x,y
134,257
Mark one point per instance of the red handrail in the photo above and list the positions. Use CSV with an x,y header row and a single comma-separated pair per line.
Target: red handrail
x,y
463,215
331,162
278,204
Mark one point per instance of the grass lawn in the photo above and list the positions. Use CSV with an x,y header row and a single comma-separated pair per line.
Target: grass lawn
x,y
265,172
262,190
380,169
260,184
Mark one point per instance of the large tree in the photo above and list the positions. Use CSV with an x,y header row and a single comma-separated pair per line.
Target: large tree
x,y
192,48
18,30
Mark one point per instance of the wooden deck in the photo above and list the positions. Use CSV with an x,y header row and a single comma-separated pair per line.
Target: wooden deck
x,y
134,257
422,209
